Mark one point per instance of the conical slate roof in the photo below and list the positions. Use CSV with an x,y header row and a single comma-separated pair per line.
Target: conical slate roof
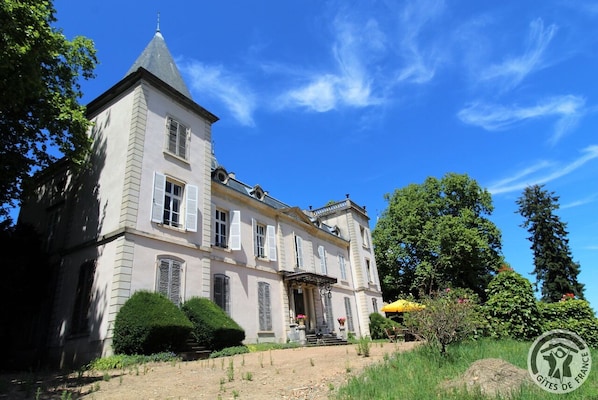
x,y
157,59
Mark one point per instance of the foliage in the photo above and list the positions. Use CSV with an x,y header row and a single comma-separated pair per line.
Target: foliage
x,y
230,351
120,361
437,233
149,323
572,315
363,346
378,324
448,318
212,328
39,73
271,346
511,309
419,374
554,267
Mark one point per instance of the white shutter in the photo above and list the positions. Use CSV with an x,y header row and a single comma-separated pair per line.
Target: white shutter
x,y
299,249
175,282
322,254
191,208
163,272
254,236
341,263
158,198
235,230
271,242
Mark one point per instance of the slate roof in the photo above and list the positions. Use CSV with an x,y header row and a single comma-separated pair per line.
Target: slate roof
x,y
156,58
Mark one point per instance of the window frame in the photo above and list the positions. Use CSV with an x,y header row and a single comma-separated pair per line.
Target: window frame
x,y
81,312
182,134
188,202
221,218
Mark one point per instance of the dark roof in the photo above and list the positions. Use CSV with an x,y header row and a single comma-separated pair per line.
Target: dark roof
x,y
157,59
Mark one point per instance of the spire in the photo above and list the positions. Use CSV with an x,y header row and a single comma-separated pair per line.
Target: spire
x,y
156,58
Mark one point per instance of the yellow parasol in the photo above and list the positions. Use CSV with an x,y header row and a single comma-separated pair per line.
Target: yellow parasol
x,y
402,306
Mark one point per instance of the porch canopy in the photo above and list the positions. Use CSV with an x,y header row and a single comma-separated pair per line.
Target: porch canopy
x,y
402,305
303,277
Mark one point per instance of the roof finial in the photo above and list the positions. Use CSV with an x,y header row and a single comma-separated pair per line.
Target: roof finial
x,y
158,26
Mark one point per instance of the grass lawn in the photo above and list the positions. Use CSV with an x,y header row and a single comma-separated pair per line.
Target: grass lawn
x,y
417,374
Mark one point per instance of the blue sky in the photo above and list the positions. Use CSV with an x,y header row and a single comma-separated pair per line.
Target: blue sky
x,y
318,99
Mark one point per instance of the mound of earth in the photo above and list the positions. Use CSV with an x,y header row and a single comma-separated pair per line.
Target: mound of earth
x,y
491,376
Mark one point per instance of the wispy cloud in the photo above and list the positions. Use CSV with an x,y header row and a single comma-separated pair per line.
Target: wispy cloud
x,y
542,172
493,117
580,202
420,62
350,82
513,70
218,83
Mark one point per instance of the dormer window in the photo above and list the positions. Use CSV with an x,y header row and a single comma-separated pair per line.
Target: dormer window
x,y
177,138
220,175
258,192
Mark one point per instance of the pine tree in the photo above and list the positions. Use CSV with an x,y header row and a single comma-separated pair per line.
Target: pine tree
x,y
554,267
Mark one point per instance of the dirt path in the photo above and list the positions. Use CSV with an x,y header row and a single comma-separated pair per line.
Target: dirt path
x,y
302,373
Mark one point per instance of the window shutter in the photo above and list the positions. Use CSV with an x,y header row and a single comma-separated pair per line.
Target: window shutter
x,y
158,198
187,143
254,236
235,230
265,317
322,254
191,208
341,263
349,314
271,242
163,273
175,283
299,248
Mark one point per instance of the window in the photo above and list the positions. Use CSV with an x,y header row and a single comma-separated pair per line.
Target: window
x,y
227,235
299,251
222,292
221,226
369,271
264,240
349,314
168,280
341,263
260,240
265,314
168,200
375,304
328,312
365,237
53,221
322,254
177,139
82,306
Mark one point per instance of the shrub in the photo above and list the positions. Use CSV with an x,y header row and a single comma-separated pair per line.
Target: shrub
x,y
511,309
150,323
572,315
230,351
212,328
448,318
378,324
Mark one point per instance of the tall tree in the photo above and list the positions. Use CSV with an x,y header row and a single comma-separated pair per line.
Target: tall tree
x,y
434,234
39,109
554,267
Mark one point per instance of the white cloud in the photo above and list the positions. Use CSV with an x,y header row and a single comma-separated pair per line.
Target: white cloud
x,y
547,171
216,82
492,117
355,46
513,70
580,202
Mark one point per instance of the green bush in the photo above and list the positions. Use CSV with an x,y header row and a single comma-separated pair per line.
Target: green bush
x,y
378,324
150,323
230,351
572,315
212,328
511,309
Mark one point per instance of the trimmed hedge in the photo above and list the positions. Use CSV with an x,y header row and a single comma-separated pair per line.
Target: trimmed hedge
x,y
149,323
572,315
377,325
212,327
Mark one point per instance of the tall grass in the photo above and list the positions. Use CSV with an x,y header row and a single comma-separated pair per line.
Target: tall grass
x,y
418,374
